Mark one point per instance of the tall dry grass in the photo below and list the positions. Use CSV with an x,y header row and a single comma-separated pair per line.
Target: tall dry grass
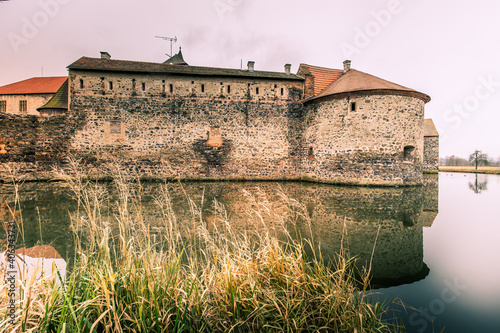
x,y
129,277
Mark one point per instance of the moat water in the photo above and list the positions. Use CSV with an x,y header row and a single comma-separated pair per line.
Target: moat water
x,y
435,247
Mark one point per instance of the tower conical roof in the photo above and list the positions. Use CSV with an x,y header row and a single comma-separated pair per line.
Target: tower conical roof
x,y
176,59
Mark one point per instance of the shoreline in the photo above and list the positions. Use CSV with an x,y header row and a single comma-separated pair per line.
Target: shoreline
x,y
470,169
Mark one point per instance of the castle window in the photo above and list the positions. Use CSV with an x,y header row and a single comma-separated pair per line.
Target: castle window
x,y
228,89
353,106
192,82
257,90
3,106
310,156
110,85
202,88
171,88
23,106
408,153
143,86
282,91
81,84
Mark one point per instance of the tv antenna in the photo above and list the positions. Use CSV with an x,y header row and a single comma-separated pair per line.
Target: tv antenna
x,y
171,40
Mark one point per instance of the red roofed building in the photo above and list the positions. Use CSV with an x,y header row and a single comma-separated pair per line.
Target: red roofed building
x,y
24,97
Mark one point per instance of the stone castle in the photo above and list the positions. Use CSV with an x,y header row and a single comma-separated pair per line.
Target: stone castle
x,y
173,120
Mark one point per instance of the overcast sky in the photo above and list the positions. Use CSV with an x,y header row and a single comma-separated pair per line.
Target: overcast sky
x,y
448,49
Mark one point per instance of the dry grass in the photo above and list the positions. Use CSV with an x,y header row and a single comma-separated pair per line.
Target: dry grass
x,y
125,279
470,169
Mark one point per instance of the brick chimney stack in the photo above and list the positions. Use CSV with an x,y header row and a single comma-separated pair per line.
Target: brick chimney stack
x,y
105,55
288,68
347,65
251,65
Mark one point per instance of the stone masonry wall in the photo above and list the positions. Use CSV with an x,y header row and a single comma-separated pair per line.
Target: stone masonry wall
x,y
365,145
431,153
35,145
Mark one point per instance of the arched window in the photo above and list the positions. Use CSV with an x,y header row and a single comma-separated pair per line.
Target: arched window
x,y
408,153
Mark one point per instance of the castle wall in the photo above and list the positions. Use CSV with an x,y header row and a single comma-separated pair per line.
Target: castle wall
x,y
365,145
189,133
431,153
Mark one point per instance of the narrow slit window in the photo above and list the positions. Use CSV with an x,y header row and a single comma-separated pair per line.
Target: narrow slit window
x,y
81,84
171,88
143,86
202,88
228,89
310,155
282,91
257,90
110,85
353,106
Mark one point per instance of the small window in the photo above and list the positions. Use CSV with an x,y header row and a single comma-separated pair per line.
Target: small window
x,y
353,106
3,106
110,85
257,90
143,86
81,84
192,82
408,153
171,88
202,88
228,89
23,106
310,156
282,91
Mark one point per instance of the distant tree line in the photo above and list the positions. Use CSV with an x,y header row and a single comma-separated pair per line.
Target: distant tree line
x,y
475,158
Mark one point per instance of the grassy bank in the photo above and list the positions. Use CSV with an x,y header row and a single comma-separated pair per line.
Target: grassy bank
x,y
130,277
471,169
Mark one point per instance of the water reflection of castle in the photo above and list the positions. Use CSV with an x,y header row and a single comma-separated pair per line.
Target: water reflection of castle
x,y
354,216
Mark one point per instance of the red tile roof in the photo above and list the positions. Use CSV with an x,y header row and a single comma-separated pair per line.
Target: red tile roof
x,y
323,77
36,85
356,81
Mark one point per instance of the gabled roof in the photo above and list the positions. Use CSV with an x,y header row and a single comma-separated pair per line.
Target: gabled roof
x,y
357,81
59,100
36,85
109,65
323,77
429,128
177,59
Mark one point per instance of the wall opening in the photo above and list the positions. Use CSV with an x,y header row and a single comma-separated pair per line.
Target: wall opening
x,y
81,84
202,88
171,88
408,153
282,91
143,86
310,155
256,90
110,85
353,106
228,89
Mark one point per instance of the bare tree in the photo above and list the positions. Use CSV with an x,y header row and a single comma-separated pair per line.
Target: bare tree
x,y
478,158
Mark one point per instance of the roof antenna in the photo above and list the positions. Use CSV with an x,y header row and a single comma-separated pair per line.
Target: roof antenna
x,y
171,40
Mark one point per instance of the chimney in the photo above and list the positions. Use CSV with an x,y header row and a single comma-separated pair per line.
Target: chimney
x,y
105,55
251,65
347,65
288,67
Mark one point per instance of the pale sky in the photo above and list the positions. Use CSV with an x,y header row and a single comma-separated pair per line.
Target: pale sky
x,y
448,49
